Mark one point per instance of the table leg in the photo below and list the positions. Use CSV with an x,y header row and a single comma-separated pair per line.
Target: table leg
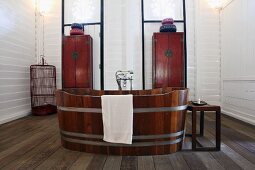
x,y
194,117
202,113
218,129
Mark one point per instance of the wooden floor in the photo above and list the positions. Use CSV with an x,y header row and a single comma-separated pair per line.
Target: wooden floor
x,y
34,143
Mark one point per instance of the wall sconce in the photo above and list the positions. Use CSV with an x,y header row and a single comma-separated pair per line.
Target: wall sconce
x,y
44,6
216,4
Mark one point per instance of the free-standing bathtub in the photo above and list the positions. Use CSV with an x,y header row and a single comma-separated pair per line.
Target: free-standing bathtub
x,y
158,121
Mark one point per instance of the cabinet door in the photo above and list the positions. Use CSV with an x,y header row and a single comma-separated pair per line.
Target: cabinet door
x,y
68,62
160,60
84,62
175,60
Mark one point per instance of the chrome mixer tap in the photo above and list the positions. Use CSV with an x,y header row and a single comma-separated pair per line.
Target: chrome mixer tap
x,y
122,77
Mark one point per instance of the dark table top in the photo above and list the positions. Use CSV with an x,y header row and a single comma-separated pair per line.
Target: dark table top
x,y
207,107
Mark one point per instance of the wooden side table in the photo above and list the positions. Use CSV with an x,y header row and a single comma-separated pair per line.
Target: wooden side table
x,y
202,109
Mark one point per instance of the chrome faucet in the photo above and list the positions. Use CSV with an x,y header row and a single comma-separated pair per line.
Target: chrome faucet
x,y
122,77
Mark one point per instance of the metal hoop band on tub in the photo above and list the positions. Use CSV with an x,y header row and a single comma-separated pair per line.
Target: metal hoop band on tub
x,y
141,137
136,110
135,144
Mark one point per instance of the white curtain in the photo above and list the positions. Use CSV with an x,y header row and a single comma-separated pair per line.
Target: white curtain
x,y
82,11
160,9
123,40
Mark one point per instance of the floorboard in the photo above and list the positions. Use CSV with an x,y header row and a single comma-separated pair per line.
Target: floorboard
x,y
209,161
16,151
241,156
33,142
241,127
113,163
97,163
21,132
194,162
178,162
36,156
82,162
146,163
61,159
162,162
129,163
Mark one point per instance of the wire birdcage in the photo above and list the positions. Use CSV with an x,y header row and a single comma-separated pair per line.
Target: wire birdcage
x,y
42,87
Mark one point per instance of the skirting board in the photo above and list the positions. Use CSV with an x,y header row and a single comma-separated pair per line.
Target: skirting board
x,y
241,116
6,119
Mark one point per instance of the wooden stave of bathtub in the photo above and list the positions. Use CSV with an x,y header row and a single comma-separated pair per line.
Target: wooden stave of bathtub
x,y
79,131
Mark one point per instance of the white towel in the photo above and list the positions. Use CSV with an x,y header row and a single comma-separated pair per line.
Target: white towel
x,y
117,112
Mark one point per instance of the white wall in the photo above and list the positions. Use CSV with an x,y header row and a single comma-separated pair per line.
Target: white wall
x,y
205,48
207,52
52,36
17,53
191,42
202,45
123,41
210,59
118,23
238,59
202,38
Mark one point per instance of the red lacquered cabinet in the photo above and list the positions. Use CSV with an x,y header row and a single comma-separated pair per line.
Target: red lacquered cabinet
x,y
168,60
77,62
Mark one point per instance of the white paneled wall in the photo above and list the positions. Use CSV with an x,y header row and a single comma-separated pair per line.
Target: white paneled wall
x,y
238,59
17,53
52,36
207,52
94,32
191,44
215,52
17,32
203,47
123,41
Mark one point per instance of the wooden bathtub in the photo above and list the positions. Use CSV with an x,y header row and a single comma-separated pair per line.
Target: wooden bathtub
x,y
158,127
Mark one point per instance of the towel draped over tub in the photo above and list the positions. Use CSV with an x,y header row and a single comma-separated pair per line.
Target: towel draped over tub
x,y
117,112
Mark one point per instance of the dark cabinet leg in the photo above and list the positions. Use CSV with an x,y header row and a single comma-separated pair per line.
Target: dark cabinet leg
x,y
218,129
194,117
202,114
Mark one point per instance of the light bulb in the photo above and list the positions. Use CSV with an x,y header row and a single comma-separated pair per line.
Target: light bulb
x,y
45,6
217,4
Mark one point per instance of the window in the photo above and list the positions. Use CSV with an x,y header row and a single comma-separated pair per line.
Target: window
x,y
82,11
160,9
